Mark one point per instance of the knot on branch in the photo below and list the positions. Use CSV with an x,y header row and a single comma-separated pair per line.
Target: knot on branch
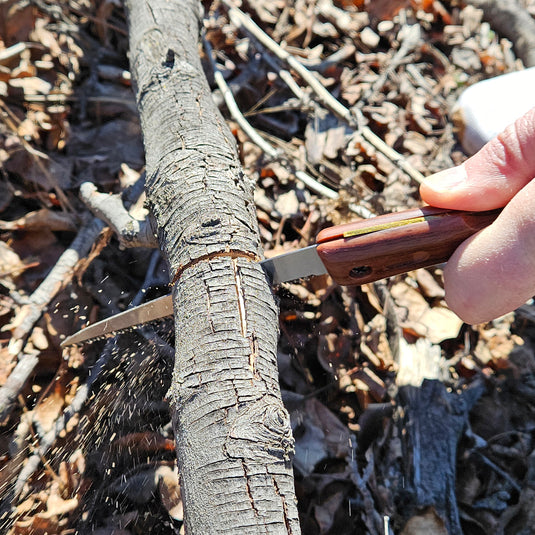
x,y
169,58
264,421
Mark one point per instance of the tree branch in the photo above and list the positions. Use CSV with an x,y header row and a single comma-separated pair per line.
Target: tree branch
x,y
233,435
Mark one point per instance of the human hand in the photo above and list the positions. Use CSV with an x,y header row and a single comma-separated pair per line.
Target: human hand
x,y
493,272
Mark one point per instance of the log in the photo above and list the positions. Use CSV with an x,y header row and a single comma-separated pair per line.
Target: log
x,y
431,420
233,436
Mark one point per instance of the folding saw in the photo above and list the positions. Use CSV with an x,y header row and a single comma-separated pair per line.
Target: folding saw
x,y
352,254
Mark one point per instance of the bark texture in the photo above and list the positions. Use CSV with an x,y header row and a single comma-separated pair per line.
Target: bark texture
x,y
232,432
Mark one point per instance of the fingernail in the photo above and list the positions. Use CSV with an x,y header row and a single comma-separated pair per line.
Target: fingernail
x,y
447,179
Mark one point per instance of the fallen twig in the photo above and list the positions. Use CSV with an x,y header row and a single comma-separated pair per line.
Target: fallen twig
x,y
82,393
55,280
410,38
254,136
59,425
61,273
15,382
31,311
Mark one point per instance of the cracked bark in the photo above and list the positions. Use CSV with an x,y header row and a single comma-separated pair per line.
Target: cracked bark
x,y
232,432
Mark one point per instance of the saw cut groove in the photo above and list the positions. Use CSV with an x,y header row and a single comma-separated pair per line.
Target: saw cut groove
x,y
206,258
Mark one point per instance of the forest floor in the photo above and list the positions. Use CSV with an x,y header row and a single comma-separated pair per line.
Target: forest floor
x,y
86,443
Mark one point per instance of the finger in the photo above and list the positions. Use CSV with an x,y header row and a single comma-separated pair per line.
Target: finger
x,y
490,178
493,272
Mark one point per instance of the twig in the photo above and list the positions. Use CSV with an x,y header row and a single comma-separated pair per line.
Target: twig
x,y
493,466
32,310
59,425
242,19
288,79
235,111
110,208
345,51
15,382
410,38
60,273
352,118
9,119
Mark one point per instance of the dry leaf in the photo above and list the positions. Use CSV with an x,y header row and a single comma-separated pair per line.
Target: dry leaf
x,y
44,218
425,523
169,488
57,506
436,323
48,410
319,435
440,324
326,511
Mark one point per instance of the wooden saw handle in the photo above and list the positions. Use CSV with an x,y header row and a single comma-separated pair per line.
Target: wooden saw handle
x,y
369,250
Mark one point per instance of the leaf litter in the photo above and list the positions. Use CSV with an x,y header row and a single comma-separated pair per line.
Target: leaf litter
x,y
348,357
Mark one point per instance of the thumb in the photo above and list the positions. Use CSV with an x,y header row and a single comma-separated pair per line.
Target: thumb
x,y
491,177
493,272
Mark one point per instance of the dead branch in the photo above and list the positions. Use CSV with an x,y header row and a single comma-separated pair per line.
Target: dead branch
x,y
58,277
351,117
82,393
55,280
274,154
31,311
233,436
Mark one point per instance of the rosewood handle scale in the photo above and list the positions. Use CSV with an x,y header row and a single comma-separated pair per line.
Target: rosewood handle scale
x,y
401,242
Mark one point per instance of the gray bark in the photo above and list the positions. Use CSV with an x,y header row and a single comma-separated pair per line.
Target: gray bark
x,y
233,434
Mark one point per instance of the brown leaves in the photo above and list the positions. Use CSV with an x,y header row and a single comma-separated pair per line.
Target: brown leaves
x,y
48,512
436,323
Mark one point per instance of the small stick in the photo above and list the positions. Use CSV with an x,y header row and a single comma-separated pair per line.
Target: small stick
x,y
10,121
84,390
15,382
32,310
76,405
410,38
55,280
